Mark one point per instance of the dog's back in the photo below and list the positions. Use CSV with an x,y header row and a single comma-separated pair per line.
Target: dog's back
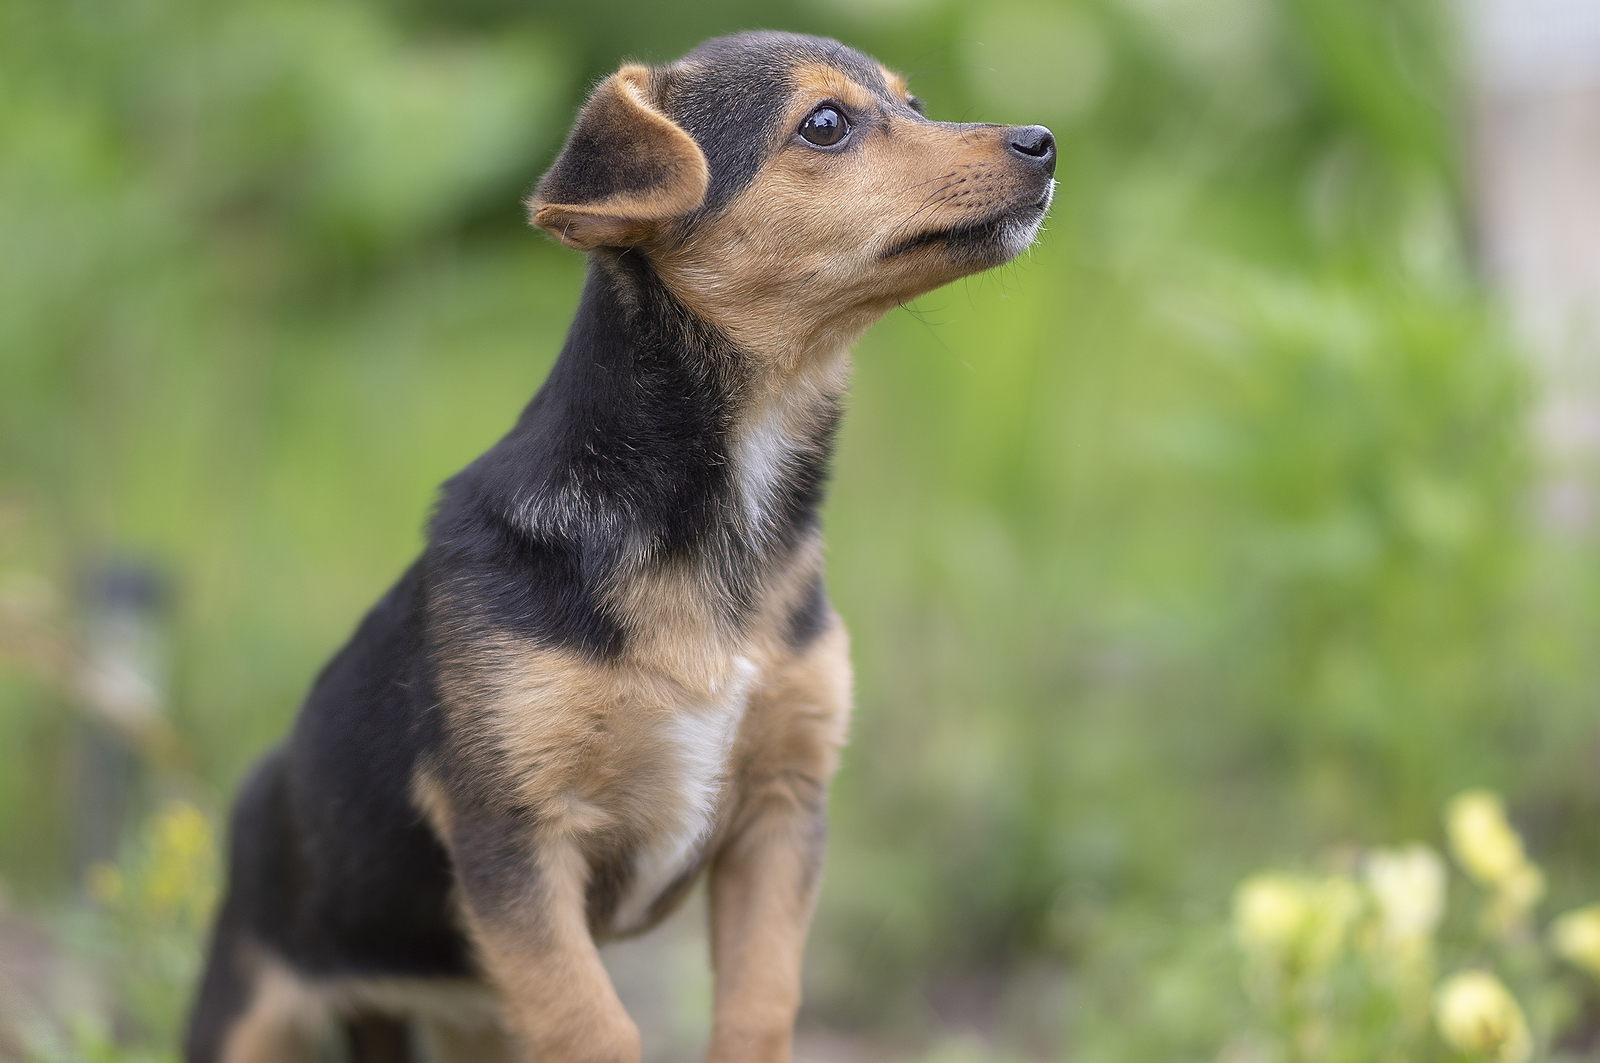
x,y
333,873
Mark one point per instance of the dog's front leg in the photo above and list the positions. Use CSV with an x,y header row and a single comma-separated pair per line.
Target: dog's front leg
x,y
524,896
765,875
763,884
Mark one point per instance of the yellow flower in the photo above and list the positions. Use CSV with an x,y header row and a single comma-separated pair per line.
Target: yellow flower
x,y
1482,839
1491,852
1576,938
1408,885
177,876
181,834
1336,902
1296,919
1269,911
1477,1014
1515,898
1524,887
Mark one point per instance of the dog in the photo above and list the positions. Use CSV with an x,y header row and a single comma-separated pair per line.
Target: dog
x,y
614,667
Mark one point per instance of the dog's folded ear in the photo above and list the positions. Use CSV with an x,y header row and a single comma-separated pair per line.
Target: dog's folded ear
x,y
626,168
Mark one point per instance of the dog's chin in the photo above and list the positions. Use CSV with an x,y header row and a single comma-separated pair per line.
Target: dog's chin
x,y
988,242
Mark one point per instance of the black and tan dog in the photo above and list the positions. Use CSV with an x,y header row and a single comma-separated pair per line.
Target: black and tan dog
x,y
614,666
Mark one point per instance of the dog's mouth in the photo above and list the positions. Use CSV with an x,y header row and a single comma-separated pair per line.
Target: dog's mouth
x,y
999,237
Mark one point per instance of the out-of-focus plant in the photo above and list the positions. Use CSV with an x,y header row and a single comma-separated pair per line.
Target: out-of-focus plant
x,y
1293,926
144,930
1341,968
1293,930
1407,887
1487,847
1576,938
193,199
1479,1016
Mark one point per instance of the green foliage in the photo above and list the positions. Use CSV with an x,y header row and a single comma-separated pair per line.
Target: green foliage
x,y
229,235
1347,965
1196,537
146,928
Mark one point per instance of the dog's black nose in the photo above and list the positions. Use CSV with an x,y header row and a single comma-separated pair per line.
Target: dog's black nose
x,y
1034,143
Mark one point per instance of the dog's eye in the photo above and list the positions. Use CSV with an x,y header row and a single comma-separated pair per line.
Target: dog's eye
x,y
824,127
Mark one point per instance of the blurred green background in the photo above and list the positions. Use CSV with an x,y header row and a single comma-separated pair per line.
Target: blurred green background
x,y
1197,539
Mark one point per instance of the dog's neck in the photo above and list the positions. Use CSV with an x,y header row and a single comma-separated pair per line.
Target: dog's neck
x,y
655,432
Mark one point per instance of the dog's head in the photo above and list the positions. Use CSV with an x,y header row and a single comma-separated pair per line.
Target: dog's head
x,y
788,184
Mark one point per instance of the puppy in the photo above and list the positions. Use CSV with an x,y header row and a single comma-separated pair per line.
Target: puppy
x,y
614,667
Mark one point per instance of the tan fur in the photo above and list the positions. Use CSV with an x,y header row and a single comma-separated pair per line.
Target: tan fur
x,y
896,83
790,282
582,739
624,106
430,798
289,1017
465,1003
672,613
594,733
446,1042
587,726
558,1000
284,1022
764,879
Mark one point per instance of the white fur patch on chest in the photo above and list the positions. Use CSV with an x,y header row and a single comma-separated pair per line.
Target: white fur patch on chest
x,y
763,453
697,741
781,432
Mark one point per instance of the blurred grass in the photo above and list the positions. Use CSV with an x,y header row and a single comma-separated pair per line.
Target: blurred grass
x,y
1198,538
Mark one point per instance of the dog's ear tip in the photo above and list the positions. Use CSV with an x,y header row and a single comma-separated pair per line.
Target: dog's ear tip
x,y
585,229
634,72
538,213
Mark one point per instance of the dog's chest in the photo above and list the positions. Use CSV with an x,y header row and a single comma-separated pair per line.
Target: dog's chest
x,y
687,770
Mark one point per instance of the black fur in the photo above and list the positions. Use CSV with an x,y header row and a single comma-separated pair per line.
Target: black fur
x,y
333,869
590,169
224,991
732,86
627,438
811,619
375,1038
